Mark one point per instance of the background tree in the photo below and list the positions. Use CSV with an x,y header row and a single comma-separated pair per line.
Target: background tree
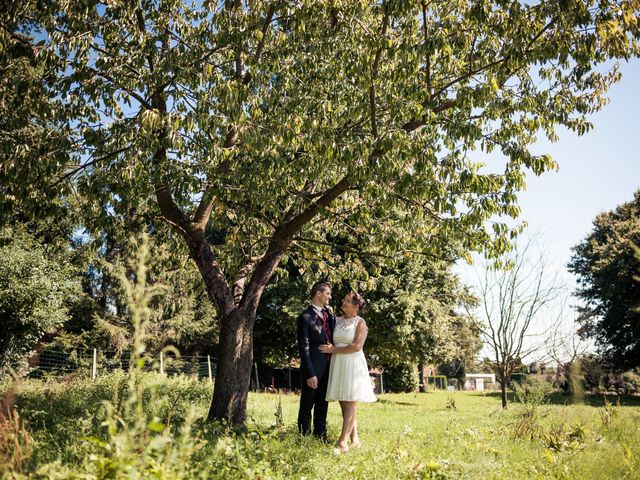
x,y
37,286
413,312
275,341
567,349
181,315
273,123
512,304
468,344
605,264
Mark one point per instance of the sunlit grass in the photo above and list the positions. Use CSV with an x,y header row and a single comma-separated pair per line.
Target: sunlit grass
x,y
403,435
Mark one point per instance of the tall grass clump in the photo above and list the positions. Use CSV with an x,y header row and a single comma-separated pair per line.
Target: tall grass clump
x,y
532,394
16,442
131,442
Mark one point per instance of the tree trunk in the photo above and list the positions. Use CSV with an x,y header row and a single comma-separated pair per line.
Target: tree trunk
x,y
235,342
233,372
503,389
237,314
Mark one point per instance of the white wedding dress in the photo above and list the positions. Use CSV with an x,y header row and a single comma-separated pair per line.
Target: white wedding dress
x,y
348,374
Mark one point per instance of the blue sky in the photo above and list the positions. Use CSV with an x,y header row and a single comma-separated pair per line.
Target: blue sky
x,y
597,172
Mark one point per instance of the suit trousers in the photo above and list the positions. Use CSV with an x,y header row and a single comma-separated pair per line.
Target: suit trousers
x,y
314,399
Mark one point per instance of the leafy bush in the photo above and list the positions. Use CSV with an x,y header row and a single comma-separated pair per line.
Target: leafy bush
x,y
34,290
401,378
560,437
532,391
593,372
631,382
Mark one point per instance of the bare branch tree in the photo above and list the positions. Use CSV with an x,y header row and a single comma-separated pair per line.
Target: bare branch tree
x,y
564,345
513,301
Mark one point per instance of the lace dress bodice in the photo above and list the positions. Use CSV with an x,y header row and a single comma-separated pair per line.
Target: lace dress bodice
x,y
345,330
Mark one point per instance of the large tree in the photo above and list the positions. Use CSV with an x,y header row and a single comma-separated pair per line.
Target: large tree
x,y
607,266
271,123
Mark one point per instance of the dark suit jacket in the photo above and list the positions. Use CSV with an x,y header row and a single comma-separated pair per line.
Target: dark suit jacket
x,y
310,336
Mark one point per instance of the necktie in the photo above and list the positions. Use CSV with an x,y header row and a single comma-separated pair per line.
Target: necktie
x,y
325,323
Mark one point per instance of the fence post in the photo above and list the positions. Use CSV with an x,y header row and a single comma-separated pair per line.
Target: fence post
x,y
257,380
381,385
94,370
209,367
161,363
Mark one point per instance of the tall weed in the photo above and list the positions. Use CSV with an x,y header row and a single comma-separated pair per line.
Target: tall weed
x,y
608,412
135,444
16,443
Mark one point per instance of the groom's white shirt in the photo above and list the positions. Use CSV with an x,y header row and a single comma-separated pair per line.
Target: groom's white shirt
x,y
317,309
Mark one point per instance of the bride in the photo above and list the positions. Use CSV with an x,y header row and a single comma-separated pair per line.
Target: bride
x,y
349,380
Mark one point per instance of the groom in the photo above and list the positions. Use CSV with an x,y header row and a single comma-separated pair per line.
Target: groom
x,y
315,328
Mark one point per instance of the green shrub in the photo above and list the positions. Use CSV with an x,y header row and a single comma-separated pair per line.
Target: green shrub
x,y
401,378
532,391
35,289
631,382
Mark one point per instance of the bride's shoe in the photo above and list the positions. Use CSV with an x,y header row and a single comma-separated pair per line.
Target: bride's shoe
x,y
340,448
356,444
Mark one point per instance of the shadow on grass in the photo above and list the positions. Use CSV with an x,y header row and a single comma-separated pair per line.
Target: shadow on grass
x,y
393,402
592,400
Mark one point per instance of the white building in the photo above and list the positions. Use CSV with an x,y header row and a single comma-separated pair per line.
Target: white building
x,y
477,381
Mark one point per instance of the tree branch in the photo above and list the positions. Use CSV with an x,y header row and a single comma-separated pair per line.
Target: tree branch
x,y
201,217
261,43
89,164
131,93
374,74
412,125
280,241
427,66
239,283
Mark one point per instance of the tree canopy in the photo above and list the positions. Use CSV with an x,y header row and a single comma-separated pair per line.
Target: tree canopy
x,y
253,129
414,310
607,266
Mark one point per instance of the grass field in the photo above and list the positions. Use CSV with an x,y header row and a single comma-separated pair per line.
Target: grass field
x,y
153,428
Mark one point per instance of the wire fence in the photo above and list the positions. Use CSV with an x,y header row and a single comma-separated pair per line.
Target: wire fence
x,y
93,363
